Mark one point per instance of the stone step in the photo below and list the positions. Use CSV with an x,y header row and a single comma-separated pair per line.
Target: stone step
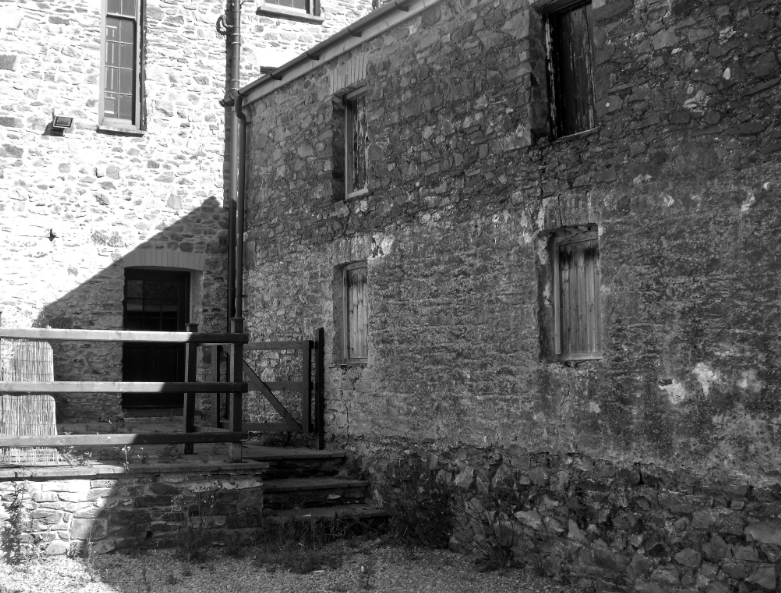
x,y
289,493
348,512
295,462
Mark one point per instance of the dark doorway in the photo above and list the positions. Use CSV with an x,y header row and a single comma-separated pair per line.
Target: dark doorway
x,y
155,300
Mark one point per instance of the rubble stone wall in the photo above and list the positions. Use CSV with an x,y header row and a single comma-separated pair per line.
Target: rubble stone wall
x,y
682,179
74,207
150,507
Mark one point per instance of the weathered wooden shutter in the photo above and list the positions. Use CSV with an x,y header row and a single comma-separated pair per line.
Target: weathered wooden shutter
x,y
579,334
571,64
356,140
356,311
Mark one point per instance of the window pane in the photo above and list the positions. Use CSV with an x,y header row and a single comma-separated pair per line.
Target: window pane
x,y
125,81
358,114
112,79
126,31
110,105
112,29
129,7
135,288
125,107
299,4
125,55
114,6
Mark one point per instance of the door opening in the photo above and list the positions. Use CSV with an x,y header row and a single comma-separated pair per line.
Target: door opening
x,y
155,300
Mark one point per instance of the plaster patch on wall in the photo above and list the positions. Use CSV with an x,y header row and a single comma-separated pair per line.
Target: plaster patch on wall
x,y
706,376
381,246
750,382
750,200
676,392
594,407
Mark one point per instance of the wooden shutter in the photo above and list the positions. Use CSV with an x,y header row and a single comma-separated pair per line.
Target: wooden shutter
x,y
356,141
356,316
571,64
578,315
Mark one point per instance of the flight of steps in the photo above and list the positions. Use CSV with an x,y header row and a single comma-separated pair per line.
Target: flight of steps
x,y
306,484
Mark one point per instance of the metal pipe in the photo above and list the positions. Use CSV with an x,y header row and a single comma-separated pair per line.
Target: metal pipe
x,y
241,121
234,55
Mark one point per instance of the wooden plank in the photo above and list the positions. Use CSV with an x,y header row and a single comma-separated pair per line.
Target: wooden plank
x,y
234,398
291,345
72,440
598,301
565,261
191,372
289,385
97,335
319,389
19,387
588,262
582,345
272,427
306,387
254,381
209,429
214,398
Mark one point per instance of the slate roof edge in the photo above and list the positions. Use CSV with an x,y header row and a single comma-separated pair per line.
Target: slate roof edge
x,y
366,28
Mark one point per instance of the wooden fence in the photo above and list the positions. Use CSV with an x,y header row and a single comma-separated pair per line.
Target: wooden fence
x,y
231,432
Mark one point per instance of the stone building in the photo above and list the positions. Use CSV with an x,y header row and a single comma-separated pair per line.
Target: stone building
x,y
136,183
543,239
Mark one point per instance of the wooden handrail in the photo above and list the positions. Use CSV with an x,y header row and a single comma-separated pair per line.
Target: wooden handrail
x,y
46,387
291,345
71,440
102,335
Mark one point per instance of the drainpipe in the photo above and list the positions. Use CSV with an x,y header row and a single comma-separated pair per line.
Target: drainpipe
x,y
234,52
241,124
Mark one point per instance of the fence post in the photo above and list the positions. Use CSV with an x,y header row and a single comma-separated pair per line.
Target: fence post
x,y
306,387
320,388
191,366
214,398
237,360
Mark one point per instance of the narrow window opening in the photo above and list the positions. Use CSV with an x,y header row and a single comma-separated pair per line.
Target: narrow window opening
x,y
353,297
356,143
120,91
568,32
576,294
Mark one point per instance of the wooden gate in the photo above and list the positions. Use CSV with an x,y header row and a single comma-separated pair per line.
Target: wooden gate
x,y
310,388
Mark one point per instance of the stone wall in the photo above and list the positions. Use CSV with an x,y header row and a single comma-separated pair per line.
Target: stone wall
x,y
681,177
75,207
83,510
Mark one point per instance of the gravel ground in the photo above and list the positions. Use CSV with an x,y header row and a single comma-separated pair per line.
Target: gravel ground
x,y
369,567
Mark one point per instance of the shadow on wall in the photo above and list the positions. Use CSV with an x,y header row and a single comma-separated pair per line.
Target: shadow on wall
x,y
192,251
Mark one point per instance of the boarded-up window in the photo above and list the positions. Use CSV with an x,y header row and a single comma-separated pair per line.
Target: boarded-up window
x,y
120,97
570,65
578,318
356,312
356,142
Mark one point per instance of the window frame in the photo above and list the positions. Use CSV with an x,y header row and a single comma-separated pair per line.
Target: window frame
x,y
553,66
310,14
112,123
568,237
349,101
346,359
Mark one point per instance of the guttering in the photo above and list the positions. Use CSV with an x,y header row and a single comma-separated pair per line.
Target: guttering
x,y
361,31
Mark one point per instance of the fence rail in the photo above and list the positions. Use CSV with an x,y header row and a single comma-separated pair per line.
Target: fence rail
x,y
192,339
310,388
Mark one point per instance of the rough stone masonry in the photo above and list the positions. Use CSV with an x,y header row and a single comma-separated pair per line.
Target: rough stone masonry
x,y
78,209
654,468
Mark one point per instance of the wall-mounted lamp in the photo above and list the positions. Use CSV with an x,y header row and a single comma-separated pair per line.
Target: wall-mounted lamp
x,y
60,124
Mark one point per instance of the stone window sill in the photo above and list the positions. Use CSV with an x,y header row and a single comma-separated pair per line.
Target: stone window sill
x,y
283,12
361,193
583,134
119,131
